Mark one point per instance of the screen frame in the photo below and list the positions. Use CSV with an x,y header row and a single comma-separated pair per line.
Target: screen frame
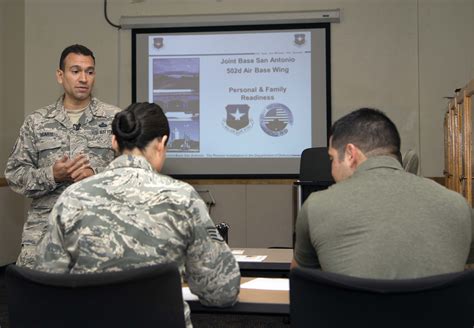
x,y
237,28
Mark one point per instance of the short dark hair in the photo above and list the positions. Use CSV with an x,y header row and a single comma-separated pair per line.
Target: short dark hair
x,y
370,130
75,49
138,125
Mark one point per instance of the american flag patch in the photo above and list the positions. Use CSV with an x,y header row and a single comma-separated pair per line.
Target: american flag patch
x,y
214,234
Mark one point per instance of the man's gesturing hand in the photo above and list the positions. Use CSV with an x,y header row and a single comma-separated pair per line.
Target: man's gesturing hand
x,y
75,169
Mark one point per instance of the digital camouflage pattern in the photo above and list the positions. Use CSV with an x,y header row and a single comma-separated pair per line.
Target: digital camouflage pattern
x,y
130,216
46,136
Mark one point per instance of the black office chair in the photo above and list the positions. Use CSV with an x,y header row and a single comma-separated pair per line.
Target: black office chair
x,y
223,229
144,297
315,175
322,299
315,165
315,172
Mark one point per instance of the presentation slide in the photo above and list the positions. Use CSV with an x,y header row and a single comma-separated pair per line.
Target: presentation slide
x,y
239,103
251,92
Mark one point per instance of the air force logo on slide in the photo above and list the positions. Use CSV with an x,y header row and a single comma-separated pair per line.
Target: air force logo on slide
x,y
300,39
158,43
237,120
276,119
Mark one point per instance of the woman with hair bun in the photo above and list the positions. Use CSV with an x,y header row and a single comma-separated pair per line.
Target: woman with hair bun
x,y
132,216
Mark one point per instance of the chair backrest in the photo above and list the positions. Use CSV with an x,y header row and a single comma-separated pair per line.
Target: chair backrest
x,y
315,165
144,297
322,299
410,161
315,173
223,229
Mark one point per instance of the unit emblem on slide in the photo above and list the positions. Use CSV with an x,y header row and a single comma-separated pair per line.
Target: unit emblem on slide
x,y
237,120
158,43
300,39
276,119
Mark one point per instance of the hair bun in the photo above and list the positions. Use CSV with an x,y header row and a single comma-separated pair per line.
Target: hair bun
x,y
139,124
128,127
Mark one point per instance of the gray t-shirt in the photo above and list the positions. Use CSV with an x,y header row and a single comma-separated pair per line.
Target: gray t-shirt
x,y
384,223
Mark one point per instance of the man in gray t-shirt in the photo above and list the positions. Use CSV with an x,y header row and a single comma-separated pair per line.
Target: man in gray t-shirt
x,y
379,221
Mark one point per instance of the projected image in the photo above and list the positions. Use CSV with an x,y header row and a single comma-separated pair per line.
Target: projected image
x,y
240,100
176,90
184,136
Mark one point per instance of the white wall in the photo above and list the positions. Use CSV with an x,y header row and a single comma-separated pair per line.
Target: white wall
x,y
374,53
11,74
258,215
2,74
52,25
12,97
446,62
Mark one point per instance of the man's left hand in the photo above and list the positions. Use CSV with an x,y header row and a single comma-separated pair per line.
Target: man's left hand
x,y
82,173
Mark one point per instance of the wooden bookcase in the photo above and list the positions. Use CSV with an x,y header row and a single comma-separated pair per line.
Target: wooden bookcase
x,y
458,142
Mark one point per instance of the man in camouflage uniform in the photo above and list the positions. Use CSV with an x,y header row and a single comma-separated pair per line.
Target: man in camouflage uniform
x,y
130,216
60,144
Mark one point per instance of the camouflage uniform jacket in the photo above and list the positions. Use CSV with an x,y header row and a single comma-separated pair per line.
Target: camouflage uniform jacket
x,y
45,136
131,216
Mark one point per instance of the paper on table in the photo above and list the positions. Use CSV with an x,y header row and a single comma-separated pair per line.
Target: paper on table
x,y
188,296
267,284
246,258
237,251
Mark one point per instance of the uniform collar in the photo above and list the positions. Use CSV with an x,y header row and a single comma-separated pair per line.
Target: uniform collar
x,y
95,108
57,111
376,162
130,161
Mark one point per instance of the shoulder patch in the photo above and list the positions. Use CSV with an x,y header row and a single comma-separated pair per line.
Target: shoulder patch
x,y
214,234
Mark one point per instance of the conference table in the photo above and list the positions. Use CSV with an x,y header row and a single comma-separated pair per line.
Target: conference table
x,y
252,301
273,270
276,263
